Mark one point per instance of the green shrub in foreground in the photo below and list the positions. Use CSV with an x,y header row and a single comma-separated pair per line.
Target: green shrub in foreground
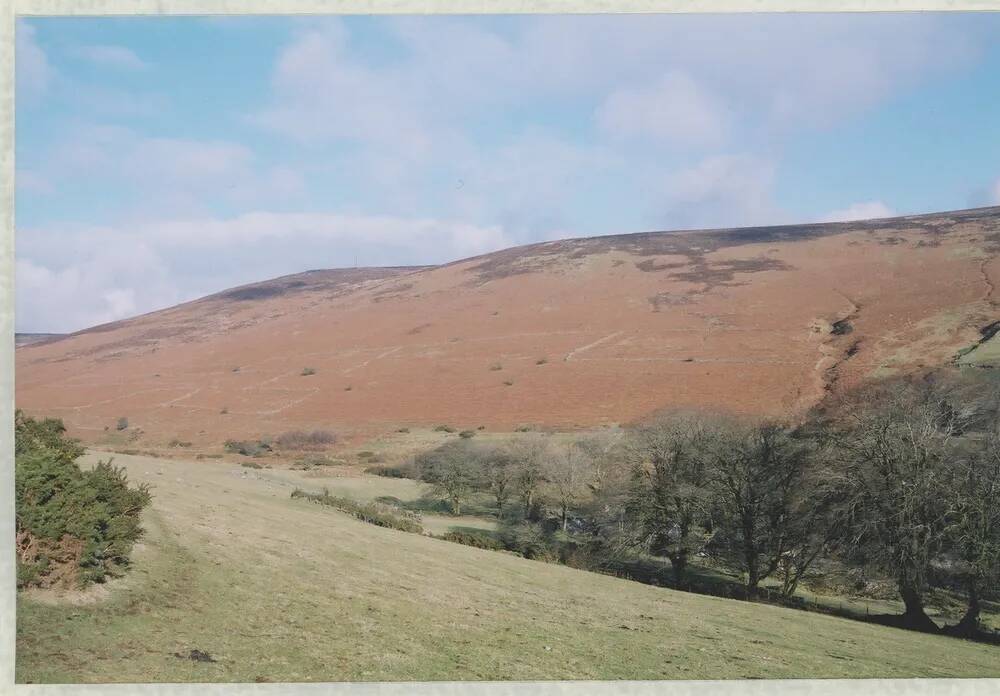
x,y
74,527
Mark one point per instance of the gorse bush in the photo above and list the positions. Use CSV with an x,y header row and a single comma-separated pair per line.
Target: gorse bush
x,y
379,514
74,526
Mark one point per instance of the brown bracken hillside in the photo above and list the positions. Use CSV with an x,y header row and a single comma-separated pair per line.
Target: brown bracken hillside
x,y
574,333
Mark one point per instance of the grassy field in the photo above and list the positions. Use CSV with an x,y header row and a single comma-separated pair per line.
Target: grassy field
x,y
284,590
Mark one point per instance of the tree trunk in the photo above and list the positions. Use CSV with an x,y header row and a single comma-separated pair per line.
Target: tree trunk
x,y
564,512
753,578
914,616
678,561
969,625
456,506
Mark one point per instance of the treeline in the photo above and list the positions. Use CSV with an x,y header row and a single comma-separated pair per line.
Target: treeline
x,y
901,479
73,526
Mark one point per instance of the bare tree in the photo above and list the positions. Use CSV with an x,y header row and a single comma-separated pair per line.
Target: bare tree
x,y
499,473
670,493
528,454
889,470
568,477
454,470
754,471
974,526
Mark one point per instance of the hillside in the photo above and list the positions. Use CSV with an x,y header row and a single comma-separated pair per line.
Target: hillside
x,y
277,589
573,333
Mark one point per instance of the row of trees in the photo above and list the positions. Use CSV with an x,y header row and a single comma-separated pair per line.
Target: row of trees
x,y
901,479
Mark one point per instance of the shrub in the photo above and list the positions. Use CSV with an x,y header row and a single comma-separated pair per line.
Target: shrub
x,y
479,540
225,410
248,448
301,439
389,471
179,443
508,383
365,454
541,361
496,367
73,526
311,460
444,429
530,541
466,434
252,465
122,424
377,513
402,430
307,371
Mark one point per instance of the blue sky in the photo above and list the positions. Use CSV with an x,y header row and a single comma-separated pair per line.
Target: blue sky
x,y
161,159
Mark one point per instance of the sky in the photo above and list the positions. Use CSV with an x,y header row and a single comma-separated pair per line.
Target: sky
x,y
162,159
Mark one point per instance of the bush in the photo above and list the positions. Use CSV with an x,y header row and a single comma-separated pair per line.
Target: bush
x,y
390,471
252,465
466,434
179,443
301,439
74,527
479,540
248,448
530,541
377,513
444,429
311,460
402,430
307,371
541,361
122,424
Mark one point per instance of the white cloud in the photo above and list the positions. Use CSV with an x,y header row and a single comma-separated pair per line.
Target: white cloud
x,y
674,109
33,71
102,283
118,57
722,191
868,210
168,176
69,278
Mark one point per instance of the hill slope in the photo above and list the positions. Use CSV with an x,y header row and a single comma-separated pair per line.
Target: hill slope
x,y
570,333
280,589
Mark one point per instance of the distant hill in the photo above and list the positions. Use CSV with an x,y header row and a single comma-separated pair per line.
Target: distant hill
x,y
572,333
25,339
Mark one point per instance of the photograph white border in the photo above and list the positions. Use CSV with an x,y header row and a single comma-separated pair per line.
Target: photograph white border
x,y
10,10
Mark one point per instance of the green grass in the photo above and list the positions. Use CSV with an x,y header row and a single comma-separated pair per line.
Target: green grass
x,y
276,589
